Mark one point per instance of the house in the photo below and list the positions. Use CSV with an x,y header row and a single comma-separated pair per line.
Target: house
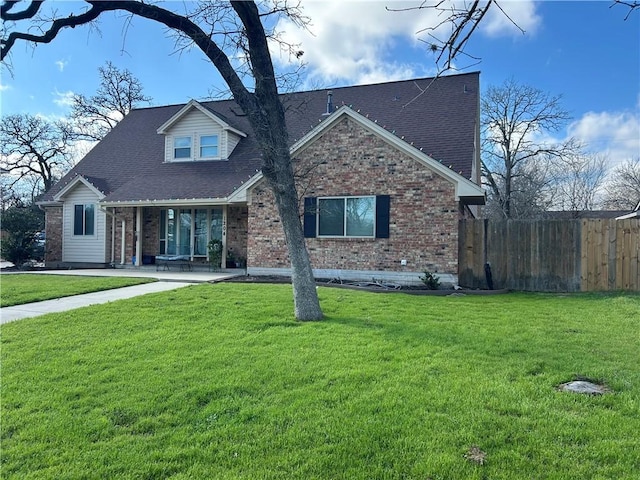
x,y
385,172
634,214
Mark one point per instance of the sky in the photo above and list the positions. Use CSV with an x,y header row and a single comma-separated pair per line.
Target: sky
x,y
584,51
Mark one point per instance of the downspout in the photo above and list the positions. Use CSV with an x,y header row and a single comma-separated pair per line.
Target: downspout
x,y
113,241
122,242
138,236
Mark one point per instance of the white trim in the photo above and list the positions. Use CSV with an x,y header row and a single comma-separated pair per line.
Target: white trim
x,y
168,203
634,214
69,186
241,194
163,129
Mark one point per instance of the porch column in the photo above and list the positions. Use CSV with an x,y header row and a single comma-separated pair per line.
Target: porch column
x,y
138,236
224,237
113,237
123,239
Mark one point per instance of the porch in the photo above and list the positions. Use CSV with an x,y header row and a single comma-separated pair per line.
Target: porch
x,y
142,233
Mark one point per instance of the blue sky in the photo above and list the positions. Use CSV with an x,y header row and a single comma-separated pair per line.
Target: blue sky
x,y
584,51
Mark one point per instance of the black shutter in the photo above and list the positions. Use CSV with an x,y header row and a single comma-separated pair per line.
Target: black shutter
x,y
309,219
383,203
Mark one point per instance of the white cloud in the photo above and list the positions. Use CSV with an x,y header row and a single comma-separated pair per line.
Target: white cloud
x,y
500,19
63,99
363,41
4,88
354,41
615,134
61,64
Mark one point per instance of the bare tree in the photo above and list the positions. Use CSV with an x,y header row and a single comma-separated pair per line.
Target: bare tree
x,y
460,20
579,178
206,30
630,4
34,148
623,188
532,192
514,117
95,116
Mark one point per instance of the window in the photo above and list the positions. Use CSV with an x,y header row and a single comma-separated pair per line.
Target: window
x,y
83,219
182,147
346,217
208,146
364,217
187,231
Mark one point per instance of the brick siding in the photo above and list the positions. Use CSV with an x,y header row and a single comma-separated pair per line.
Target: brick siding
x,y
53,232
350,160
237,231
128,215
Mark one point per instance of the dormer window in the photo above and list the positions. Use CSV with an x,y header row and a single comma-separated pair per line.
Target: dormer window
x,y
182,147
195,133
209,146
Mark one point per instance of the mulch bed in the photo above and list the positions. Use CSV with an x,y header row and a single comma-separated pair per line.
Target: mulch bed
x,y
367,286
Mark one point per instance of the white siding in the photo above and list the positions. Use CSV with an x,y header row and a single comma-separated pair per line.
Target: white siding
x,y
232,141
83,248
194,124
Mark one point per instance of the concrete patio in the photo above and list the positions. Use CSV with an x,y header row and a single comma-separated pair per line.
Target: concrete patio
x,y
174,275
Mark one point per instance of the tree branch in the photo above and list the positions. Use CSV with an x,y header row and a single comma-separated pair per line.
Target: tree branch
x,y
28,12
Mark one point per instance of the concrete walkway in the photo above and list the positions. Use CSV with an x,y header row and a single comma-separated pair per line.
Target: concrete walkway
x,y
28,310
169,280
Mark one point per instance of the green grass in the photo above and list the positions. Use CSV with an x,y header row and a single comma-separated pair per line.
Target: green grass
x,y
219,381
18,289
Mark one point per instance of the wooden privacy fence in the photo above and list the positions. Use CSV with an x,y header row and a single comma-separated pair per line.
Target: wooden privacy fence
x,y
551,255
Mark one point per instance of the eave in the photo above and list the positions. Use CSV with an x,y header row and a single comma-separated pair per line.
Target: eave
x,y
58,197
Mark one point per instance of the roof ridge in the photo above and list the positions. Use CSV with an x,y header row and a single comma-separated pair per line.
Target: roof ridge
x,y
286,94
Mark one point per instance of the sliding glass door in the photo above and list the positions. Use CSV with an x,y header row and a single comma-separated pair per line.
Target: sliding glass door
x,y
187,231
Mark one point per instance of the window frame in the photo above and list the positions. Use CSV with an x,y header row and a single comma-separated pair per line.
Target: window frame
x,y
172,230
217,146
177,158
345,228
87,218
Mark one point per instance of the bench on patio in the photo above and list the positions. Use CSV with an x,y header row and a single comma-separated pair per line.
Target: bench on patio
x,y
183,261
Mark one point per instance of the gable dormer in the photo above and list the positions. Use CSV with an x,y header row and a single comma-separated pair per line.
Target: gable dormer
x,y
195,133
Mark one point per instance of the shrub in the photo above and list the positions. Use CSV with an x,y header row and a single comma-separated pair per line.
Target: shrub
x,y
215,253
430,280
20,227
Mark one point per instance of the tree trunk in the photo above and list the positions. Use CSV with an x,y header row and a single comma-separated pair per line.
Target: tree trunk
x,y
305,296
266,115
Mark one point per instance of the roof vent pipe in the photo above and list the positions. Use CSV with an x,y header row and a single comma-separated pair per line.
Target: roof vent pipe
x,y
329,102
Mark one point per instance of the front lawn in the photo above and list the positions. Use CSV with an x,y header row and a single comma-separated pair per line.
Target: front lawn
x,y
219,381
21,288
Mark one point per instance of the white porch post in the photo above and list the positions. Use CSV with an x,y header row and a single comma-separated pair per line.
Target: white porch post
x,y
113,238
224,237
138,236
123,238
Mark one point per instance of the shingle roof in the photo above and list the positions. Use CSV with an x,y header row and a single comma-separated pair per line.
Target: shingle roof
x,y
128,164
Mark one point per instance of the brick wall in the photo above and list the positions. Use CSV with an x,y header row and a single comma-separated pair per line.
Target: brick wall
x,y
127,214
237,231
349,160
151,231
53,232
